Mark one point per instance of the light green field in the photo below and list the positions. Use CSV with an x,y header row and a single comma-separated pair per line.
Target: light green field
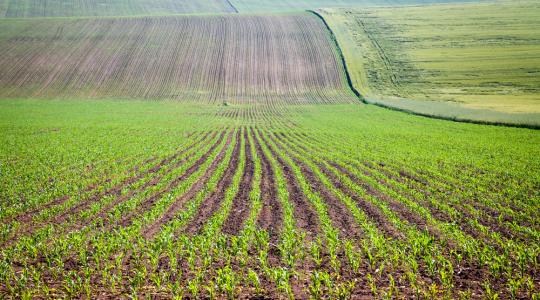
x,y
71,8
475,56
288,5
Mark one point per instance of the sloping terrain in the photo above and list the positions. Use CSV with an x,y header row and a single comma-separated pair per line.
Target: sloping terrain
x,y
116,199
77,8
264,177
237,59
288,5
473,56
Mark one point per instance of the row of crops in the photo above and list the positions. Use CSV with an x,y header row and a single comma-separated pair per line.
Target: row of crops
x,y
77,8
202,59
265,203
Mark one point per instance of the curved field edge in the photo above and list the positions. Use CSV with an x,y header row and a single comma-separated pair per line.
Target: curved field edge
x,y
255,6
433,109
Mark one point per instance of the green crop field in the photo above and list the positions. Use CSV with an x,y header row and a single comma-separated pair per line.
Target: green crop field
x,y
74,8
146,154
471,57
288,5
163,198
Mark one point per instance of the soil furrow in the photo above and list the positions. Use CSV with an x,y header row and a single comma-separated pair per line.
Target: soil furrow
x,y
413,218
271,215
338,212
27,216
241,203
444,217
117,190
486,221
113,191
149,202
154,228
212,202
372,211
490,216
304,213
151,182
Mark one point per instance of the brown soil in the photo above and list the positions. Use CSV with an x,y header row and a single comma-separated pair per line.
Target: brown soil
x,y
488,220
271,216
304,213
27,216
146,204
442,216
116,190
153,228
338,212
212,203
241,202
151,182
372,211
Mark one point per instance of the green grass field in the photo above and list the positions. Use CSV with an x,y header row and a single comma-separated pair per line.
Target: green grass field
x,y
477,56
224,156
287,5
77,8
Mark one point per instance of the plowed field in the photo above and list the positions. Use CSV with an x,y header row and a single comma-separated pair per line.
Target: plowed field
x,y
211,59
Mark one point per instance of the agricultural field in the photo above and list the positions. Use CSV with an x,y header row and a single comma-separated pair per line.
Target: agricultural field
x,y
222,155
78,8
283,58
124,198
288,5
457,58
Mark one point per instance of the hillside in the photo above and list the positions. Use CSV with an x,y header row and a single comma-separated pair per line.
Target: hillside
x,y
211,59
222,155
468,60
299,5
77,8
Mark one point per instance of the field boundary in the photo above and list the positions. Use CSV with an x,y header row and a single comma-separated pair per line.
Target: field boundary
x,y
341,56
409,111
235,10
